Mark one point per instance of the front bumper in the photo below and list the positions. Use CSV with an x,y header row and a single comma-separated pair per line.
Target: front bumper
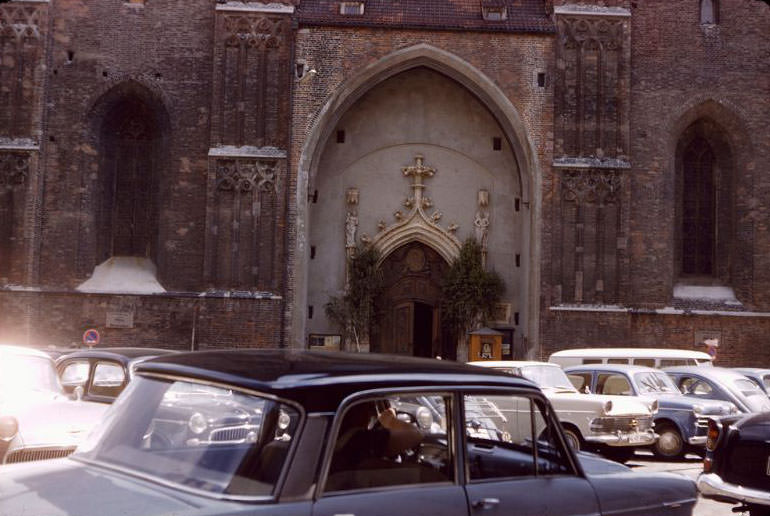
x,y
711,485
697,440
619,438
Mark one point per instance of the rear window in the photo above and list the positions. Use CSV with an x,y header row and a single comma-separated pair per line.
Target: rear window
x,y
206,438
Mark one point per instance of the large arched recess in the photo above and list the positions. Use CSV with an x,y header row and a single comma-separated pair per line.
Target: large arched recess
x,y
488,93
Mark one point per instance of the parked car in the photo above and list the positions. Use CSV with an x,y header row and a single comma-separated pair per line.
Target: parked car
x,y
759,376
37,419
102,373
719,383
681,421
612,425
737,463
650,357
311,405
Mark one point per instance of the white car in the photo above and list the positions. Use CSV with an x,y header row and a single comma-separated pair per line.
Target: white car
x,y
611,425
37,419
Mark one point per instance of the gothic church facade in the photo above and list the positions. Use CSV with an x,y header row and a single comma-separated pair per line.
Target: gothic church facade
x,y
195,174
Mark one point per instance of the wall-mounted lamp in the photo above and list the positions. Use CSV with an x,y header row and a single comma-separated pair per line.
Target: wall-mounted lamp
x,y
302,70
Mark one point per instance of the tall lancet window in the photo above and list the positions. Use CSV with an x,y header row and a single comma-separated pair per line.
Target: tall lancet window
x,y
698,209
709,12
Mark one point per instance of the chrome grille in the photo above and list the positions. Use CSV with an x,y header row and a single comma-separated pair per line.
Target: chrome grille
x,y
32,454
702,422
231,434
622,424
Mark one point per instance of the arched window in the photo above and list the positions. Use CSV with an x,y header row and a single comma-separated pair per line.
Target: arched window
x,y
709,12
698,209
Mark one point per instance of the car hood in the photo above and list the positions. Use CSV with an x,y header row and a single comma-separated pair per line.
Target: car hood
x,y
621,405
53,419
708,407
56,488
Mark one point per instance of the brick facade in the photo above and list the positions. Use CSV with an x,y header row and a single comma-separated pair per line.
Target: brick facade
x,y
189,133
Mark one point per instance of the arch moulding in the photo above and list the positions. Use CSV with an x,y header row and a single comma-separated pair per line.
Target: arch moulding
x,y
446,244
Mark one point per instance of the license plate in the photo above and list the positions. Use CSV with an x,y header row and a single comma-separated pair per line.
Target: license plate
x,y
639,438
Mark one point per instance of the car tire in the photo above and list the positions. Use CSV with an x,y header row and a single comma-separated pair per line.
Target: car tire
x,y
759,510
573,439
670,444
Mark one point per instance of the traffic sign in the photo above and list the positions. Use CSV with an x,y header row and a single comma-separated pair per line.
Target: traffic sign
x,y
91,337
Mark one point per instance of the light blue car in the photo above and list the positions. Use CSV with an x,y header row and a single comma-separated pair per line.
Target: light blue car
x,y
681,421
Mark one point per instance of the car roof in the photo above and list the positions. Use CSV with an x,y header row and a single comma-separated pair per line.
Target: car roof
x,y
22,350
632,353
708,372
511,363
119,354
320,380
626,368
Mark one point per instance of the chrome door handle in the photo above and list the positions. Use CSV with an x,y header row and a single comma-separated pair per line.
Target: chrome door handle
x,y
485,503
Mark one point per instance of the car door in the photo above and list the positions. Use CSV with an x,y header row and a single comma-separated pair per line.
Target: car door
x,y
424,479
521,465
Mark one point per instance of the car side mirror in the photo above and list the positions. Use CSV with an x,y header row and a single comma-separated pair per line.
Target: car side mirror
x,y
77,393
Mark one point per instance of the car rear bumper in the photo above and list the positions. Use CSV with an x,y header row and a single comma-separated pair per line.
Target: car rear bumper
x,y
619,438
711,485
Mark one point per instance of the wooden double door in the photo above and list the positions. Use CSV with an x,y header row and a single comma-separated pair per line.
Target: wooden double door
x,y
408,318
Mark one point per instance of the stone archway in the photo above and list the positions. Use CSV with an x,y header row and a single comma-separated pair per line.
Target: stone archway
x,y
408,320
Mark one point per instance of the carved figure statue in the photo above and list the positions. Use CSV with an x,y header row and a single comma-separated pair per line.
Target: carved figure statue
x,y
481,227
351,225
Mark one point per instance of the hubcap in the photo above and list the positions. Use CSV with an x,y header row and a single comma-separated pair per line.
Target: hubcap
x,y
669,443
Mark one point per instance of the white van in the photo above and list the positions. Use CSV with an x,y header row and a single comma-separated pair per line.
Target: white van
x,y
650,357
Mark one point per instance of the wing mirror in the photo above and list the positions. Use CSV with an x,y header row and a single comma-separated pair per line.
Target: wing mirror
x,y
77,393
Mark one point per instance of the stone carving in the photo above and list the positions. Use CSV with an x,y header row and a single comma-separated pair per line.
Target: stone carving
x,y
351,196
481,228
591,187
351,226
14,169
20,22
244,176
254,31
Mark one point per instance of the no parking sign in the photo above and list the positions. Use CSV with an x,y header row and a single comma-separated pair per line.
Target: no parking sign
x,y
91,337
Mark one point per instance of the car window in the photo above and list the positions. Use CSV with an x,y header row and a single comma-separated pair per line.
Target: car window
x,y
592,360
654,382
695,386
23,373
617,361
612,383
75,373
398,439
510,436
217,440
581,381
669,362
108,379
647,362
766,381
747,387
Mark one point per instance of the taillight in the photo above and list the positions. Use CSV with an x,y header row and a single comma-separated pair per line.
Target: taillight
x,y
708,464
8,428
712,438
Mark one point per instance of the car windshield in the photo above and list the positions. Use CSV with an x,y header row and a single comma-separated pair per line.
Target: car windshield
x,y
26,373
548,377
755,398
200,437
649,382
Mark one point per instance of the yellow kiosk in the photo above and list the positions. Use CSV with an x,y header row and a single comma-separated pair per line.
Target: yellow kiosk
x,y
486,344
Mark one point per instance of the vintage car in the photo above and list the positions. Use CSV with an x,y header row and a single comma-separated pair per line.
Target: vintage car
x,y
323,446
719,383
612,425
759,376
737,463
102,373
681,421
37,419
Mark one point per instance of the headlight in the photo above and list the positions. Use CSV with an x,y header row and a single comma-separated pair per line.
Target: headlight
x,y
197,423
9,427
283,420
697,409
424,418
712,438
607,407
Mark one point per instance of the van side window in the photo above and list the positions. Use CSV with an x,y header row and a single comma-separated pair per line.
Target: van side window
x,y
617,361
592,360
668,362
649,362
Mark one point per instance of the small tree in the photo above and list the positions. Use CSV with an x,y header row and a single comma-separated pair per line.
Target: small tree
x,y
469,293
353,312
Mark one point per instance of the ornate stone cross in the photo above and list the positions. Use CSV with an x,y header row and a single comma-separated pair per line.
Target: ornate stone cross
x,y
418,171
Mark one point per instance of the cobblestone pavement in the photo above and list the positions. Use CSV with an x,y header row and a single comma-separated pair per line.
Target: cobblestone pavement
x,y
690,467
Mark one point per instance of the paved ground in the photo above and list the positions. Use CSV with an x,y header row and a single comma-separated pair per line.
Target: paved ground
x,y
689,467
